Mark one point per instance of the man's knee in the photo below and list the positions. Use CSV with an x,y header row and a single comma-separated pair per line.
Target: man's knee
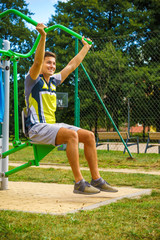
x,y
89,137
66,135
72,136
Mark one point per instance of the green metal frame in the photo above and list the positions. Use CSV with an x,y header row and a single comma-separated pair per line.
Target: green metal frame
x,y
106,109
40,151
15,55
76,98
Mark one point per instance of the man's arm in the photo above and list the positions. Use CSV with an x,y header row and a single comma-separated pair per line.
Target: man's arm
x,y
74,63
39,55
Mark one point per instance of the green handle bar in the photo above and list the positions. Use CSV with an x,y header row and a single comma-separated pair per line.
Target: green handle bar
x,y
29,20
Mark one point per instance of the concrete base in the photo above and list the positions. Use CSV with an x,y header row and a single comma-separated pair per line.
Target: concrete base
x,y
4,184
58,199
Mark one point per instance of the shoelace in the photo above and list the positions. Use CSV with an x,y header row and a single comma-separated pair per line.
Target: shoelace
x,y
87,184
106,182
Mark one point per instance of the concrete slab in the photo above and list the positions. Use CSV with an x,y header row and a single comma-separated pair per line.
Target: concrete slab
x,y
58,199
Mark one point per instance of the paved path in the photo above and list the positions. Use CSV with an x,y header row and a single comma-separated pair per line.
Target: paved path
x,y
118,146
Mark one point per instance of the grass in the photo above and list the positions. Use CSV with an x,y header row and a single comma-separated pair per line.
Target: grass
x,y
111,159
62,176
127,219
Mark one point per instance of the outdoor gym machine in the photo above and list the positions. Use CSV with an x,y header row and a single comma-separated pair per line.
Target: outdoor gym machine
x,y
40,151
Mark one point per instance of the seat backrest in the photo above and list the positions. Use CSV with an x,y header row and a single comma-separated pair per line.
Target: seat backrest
x,y
24,115
112,135
154,135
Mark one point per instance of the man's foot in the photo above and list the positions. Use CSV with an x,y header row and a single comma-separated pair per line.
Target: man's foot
x,y
84,187
102,185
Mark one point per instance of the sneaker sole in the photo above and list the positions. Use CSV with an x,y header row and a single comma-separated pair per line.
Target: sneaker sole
x,y
85,193
105,190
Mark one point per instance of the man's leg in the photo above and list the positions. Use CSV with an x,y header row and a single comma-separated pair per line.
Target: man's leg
x,y
88,138
70,137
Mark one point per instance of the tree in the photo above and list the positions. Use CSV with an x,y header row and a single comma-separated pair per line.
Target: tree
x,y
107,74
107,21
14,29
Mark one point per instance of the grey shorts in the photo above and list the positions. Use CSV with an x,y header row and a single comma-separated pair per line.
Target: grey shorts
x,y
44,133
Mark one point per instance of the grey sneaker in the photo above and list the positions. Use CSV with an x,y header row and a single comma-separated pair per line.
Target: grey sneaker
x,y
102,185
85,188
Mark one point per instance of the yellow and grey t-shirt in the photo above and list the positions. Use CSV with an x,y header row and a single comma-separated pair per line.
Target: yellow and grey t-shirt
x,y
40,98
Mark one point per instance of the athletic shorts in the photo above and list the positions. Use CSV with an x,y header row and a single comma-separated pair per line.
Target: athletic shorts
x,y
44,133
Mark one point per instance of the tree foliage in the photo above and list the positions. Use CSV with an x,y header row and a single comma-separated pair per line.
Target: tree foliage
x,y
122,33
126,67
21,38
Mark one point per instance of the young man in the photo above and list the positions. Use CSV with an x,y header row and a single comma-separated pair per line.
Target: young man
x,y
40,96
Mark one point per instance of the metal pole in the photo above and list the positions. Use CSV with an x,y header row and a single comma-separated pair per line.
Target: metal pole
x,y
76,99
0,152
17,169
10,53
128,117
15,149
5,128
16,141
1,113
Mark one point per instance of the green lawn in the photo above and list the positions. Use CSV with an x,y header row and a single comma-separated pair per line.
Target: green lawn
x,y
62,176
130,219
111,159
127,219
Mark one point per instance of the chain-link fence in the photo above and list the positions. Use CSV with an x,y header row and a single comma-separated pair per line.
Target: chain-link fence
x,y
125,71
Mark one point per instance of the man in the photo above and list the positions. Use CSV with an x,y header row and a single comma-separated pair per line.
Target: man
x,y
40,96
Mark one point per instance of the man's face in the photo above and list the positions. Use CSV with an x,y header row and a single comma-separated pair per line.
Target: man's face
x,y
49,66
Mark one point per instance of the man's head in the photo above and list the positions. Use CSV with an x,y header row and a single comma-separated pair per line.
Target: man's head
x,y
49,64
49,54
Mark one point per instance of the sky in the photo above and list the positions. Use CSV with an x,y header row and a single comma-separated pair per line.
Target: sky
x,y
42,9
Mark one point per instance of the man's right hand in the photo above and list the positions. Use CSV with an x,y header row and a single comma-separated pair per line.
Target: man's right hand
x,y
40,28
39,55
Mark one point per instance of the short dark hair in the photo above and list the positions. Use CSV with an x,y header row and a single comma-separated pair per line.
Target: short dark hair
x,y
49,54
